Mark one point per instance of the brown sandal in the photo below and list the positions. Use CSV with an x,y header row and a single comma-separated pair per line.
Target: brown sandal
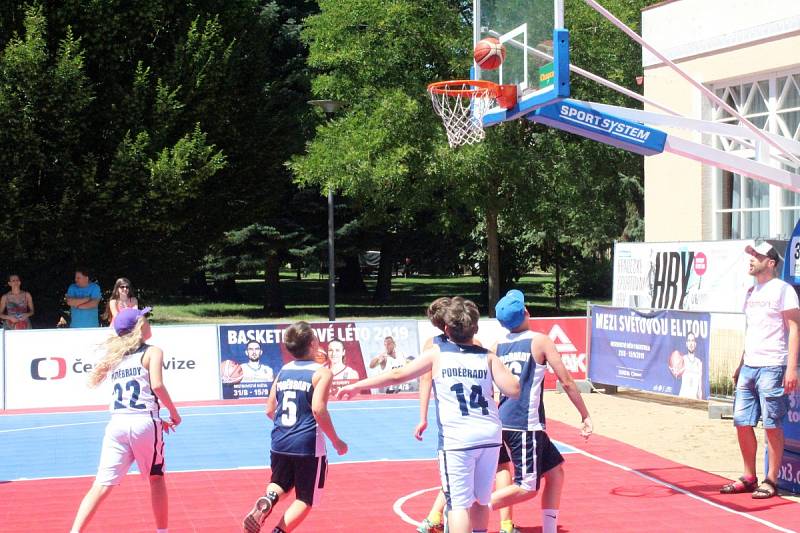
x,y
767,489
739,486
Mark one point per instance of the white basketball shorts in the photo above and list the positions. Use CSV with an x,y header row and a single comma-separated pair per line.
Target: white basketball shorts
x,y
468,475
128,438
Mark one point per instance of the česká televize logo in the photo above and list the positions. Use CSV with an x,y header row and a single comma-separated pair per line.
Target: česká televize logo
x,y
50,368
44,368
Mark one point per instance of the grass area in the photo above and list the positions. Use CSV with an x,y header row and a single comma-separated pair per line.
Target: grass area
x,y
307,299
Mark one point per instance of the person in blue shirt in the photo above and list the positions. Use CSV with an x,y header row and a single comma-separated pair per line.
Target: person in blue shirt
x,y
298,405
83,297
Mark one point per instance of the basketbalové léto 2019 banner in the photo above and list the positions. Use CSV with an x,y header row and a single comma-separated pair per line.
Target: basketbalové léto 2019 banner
x,y
663,351
251,355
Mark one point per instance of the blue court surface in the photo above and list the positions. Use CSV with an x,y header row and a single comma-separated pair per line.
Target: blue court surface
x,y
217,437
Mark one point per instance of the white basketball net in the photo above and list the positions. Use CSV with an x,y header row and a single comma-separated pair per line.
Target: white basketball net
x,y
462,113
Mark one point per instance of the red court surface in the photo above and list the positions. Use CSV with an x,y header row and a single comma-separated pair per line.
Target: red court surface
x,y
601,494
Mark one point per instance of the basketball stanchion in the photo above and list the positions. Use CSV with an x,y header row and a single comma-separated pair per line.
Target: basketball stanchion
x,y
463,103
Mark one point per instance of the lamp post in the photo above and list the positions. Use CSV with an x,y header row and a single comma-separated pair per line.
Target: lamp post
x,y
330,107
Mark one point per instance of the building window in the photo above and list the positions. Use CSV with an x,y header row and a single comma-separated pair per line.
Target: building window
x,y
745,208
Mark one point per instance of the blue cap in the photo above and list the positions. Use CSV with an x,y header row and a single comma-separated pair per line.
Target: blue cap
x,y
510,310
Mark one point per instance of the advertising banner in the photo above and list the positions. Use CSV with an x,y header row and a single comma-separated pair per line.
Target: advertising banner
x,y
49,368
663,351
2,371
568,334
791,426
251,355
702,276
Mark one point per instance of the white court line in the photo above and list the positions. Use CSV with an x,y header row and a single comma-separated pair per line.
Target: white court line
x,y
188,415
230,404
195,470
54,426
685,492
398,504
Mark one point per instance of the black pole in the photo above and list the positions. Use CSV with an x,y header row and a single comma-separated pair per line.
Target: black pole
x,y
329,107
331,262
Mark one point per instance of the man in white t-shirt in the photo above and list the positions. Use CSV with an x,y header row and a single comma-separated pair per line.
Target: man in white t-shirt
x,y
767,372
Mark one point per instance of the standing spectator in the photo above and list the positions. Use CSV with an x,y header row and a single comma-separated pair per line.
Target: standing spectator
x,y
16,306
767,372
83,296
122,297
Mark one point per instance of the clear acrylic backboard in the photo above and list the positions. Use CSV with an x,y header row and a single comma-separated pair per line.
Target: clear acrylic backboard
x,y
537,57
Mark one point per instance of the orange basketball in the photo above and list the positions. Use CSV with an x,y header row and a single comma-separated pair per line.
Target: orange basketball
x,y
676,364
489,53
322,358
230,371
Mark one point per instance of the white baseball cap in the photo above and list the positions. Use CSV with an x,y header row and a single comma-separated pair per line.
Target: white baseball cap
x,y
765,249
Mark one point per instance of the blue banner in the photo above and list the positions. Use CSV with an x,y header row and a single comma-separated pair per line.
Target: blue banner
x,y
664,351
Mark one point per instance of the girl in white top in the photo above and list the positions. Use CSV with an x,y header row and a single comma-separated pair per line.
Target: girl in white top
x,y
135,431
122,297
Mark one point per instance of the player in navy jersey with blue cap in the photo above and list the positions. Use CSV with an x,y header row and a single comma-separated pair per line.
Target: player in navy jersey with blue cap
x,y
527,354
298,404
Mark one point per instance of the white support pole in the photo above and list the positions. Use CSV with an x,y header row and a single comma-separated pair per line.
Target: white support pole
x,y
733,163
558,8
693,124
685,75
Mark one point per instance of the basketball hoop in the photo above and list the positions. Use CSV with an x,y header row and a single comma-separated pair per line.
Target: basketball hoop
x,y
463,103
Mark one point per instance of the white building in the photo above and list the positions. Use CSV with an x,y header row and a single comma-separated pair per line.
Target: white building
x,y
748,53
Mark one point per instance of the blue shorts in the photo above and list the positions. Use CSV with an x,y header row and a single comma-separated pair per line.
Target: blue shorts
x,y
759,394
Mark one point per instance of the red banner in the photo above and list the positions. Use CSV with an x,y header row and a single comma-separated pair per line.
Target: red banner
x,y
569,336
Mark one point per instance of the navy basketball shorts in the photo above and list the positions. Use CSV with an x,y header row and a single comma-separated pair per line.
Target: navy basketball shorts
x,y
533,455
304,473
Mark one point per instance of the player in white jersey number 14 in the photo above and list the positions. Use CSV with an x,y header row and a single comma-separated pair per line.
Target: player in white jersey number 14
x,y
470,434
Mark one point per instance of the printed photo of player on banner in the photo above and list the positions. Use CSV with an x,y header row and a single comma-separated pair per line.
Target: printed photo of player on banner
x,y
388,345
250,357
664,351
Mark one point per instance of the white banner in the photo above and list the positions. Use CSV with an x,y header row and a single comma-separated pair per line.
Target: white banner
x,y
701,276
49,368
2,370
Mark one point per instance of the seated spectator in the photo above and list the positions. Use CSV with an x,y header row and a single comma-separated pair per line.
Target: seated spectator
x,y
16,306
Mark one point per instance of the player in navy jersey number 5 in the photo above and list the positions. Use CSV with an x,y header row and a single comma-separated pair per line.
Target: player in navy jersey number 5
x,y
470,433
135,431
298,405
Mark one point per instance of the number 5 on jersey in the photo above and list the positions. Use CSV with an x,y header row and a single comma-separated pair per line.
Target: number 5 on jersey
x,y
289,408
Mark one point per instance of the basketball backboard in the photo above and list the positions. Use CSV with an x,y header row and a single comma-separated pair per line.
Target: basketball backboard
x,y
537,51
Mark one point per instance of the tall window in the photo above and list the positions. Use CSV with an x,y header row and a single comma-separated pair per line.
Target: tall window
x,y
743,207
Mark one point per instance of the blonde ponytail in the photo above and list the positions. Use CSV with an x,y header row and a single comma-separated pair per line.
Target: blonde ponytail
x,y
117,349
